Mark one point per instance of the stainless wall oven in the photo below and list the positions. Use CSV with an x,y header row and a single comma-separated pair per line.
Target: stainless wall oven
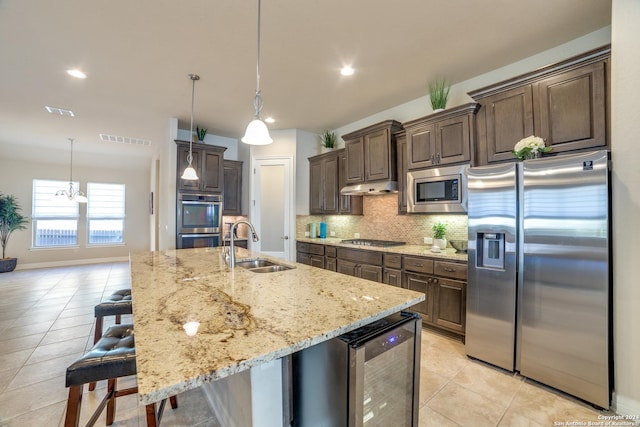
x,y
198,220
366,378
437,190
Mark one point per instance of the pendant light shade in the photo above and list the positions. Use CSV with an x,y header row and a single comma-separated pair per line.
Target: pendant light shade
x,y
189,172
257,132
72,195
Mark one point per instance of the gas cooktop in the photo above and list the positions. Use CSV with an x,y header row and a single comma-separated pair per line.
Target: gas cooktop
x,y
371,242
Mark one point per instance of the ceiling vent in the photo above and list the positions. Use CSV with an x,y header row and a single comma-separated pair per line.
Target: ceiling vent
x,y
59,111
124,140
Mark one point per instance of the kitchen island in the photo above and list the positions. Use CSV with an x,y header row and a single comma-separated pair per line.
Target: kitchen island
x,y
197,321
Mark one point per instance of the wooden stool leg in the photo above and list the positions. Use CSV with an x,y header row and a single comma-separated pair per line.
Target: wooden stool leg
x,y
96,336
74,402
152,418
174,402
111,403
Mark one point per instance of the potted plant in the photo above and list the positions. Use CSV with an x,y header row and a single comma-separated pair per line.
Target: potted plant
x,y
439,93
439,233
10,220
328,140
201,133
530,147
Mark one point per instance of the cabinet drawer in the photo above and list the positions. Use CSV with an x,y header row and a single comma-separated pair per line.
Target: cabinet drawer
x,y
316,249
392,261
359,256
302,247
418,264
331,251
451,269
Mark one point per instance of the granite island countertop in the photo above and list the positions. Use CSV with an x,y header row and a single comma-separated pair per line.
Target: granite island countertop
x,y
420,250
245,318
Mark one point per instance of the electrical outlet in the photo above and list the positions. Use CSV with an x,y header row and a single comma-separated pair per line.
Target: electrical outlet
x,y
306,234
332,233
428,240
356,235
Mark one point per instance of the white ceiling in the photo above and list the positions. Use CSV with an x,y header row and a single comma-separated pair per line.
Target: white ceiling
x,y
138,54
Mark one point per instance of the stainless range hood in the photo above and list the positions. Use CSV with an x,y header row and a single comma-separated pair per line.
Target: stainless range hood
x,y
370,189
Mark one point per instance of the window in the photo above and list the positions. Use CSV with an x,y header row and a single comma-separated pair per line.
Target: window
x,y
55,219
105,213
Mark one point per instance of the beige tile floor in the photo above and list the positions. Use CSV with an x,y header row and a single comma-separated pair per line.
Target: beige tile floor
x,y
46,322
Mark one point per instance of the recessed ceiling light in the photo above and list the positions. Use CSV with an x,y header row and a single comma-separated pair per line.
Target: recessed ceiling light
x,y
347,71
270,120
77,74
60,111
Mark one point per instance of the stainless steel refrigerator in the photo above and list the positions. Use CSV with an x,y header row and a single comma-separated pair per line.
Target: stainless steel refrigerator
x,y
539,286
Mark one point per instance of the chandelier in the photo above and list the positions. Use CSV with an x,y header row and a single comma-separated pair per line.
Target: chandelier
x,y
71,194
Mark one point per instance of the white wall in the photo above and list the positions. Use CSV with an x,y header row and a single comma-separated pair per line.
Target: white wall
x,y
625,134
17,178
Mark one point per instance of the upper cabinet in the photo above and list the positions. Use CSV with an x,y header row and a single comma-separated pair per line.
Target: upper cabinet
x,y
566,104
208,161
326,178
442,138
232,195
371,153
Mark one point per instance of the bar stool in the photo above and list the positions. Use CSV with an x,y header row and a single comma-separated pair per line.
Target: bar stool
x,y
112,357
117,304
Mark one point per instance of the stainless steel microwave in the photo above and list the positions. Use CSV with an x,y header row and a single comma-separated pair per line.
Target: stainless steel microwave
x,y
437,190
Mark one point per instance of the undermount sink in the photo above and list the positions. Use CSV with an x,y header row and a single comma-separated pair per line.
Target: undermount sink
x,y
262,266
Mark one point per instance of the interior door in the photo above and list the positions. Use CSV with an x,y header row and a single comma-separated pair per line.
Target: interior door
x,y
272,189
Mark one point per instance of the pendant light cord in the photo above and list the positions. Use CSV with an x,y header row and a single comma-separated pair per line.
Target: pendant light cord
x,y
71,165
193,78
257,102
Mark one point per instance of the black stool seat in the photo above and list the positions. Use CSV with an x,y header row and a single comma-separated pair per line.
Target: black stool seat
x,y
118,303
113,356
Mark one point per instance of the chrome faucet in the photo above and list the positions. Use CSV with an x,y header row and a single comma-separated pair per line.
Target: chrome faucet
x,y
232,233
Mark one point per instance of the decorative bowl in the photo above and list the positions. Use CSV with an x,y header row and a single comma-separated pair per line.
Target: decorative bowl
x,y
459,245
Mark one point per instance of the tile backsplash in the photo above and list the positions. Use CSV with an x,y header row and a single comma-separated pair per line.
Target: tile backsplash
x,y
381,221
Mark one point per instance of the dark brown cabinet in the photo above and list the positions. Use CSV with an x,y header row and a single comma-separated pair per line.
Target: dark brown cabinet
x,y
401,141
208,162
392,272
360,263
351,205
232,194
323,184
326,177
566,104
445,303
310,254
441,138
371,153
330,260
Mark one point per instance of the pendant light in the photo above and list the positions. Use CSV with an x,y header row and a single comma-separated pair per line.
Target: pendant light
x,y
71,195
189,172
257,132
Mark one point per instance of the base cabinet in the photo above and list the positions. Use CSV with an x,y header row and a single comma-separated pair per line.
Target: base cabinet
x,y
310,254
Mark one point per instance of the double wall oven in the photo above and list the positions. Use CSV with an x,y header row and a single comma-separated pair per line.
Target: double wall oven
x,y
198,220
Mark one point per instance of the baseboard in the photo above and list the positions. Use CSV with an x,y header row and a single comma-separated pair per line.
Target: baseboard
x,y
623,405
70,262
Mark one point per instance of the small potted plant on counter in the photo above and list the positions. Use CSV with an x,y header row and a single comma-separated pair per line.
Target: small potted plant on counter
x,y
439,233
10,221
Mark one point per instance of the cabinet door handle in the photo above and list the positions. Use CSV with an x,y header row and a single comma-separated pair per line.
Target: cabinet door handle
x,y
433,159
438,158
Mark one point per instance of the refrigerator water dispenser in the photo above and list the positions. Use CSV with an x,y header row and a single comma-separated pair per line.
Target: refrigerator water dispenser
x,y
491,253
